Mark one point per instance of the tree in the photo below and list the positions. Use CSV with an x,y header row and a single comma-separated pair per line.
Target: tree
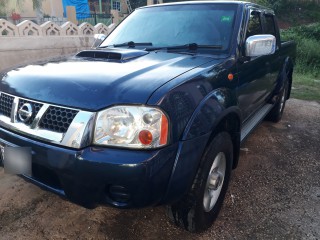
x,y
138,3
277,5
3,7
37,6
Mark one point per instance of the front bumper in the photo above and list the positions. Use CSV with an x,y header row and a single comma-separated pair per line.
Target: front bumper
x,y
97,175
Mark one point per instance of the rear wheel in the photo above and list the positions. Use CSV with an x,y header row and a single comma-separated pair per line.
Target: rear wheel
x,y
200,207
275,114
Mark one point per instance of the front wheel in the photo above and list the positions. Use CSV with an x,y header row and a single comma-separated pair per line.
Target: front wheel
x,y
200,207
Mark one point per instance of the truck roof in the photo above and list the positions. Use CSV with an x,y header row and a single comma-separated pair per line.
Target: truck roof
x,y
206,2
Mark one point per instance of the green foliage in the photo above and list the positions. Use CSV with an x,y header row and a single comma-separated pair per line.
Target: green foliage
x,y
138,3
4,11
3,6
265,3
276,5
280,5
307,38
292,8
37,4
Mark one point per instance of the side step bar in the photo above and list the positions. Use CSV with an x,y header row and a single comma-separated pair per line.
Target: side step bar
x,y
248,127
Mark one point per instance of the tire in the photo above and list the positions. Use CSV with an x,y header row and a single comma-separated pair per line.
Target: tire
x,y
276,112
195,212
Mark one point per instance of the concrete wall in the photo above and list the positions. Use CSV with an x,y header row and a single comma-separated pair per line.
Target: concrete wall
x,y
24,50
28,42
53,8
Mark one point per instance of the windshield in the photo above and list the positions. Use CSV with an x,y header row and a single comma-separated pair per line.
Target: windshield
x,y
165,26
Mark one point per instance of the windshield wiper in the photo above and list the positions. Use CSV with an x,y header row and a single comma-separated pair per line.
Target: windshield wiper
x,y
129,44
189,46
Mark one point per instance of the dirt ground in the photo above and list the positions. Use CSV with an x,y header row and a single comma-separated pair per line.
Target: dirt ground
x,y
274,194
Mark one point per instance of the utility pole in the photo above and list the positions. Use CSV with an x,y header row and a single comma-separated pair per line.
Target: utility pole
x,y
129,6
100,6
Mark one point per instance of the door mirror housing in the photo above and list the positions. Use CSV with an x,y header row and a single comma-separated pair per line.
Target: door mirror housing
x,y
98,39
259,45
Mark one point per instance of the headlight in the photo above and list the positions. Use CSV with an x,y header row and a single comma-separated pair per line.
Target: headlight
x,y
132,127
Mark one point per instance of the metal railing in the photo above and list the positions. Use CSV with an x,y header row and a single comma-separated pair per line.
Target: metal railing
x,y
56,20
94,18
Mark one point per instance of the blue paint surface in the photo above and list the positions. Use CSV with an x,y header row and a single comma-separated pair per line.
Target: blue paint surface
x,y
81,6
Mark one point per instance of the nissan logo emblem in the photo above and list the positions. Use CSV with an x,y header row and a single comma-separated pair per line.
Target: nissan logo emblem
x,y
25,112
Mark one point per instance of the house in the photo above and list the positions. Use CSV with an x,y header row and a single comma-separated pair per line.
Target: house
x,y
25,8
105,6
55,10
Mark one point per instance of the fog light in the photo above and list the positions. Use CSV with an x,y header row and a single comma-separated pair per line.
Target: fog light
x,y
119,194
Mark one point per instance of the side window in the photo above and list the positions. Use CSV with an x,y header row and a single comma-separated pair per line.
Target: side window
x,y
269,28
254,25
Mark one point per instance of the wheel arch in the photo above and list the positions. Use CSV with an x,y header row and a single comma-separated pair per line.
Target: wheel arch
x,y
225,116
286,74
230,123
289,72
197,136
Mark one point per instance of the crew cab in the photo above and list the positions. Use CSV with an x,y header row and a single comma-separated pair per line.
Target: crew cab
x,y
154,114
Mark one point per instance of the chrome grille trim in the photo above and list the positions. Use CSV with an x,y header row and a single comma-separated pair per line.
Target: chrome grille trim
x,y
36,107
80,131
38,117
78,135
14,109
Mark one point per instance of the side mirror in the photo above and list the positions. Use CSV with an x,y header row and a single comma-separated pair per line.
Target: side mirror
x,y
98,39
259,45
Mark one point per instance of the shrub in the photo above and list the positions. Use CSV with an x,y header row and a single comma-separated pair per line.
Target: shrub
x,y
307,38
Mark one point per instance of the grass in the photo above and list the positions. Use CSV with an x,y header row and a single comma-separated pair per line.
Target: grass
x,y
306,78
308,47
306,87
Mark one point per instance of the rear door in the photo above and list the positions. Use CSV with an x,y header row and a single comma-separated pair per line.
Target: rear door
x,y
275,60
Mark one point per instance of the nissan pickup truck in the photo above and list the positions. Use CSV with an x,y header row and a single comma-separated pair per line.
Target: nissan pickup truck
x,y
154,114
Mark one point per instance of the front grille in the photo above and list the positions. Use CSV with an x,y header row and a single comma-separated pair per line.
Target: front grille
x,y
45,122
57,119
6,102
36,108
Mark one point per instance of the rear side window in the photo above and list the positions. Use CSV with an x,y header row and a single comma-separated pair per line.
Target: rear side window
x,y
270,27
254,25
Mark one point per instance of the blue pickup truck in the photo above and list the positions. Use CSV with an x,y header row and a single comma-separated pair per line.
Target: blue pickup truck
x,y
154,114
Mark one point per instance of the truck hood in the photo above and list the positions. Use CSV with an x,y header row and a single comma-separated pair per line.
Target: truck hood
x,y
93,84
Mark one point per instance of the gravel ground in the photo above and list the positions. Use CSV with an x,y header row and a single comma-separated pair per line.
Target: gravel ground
x,y
273,194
